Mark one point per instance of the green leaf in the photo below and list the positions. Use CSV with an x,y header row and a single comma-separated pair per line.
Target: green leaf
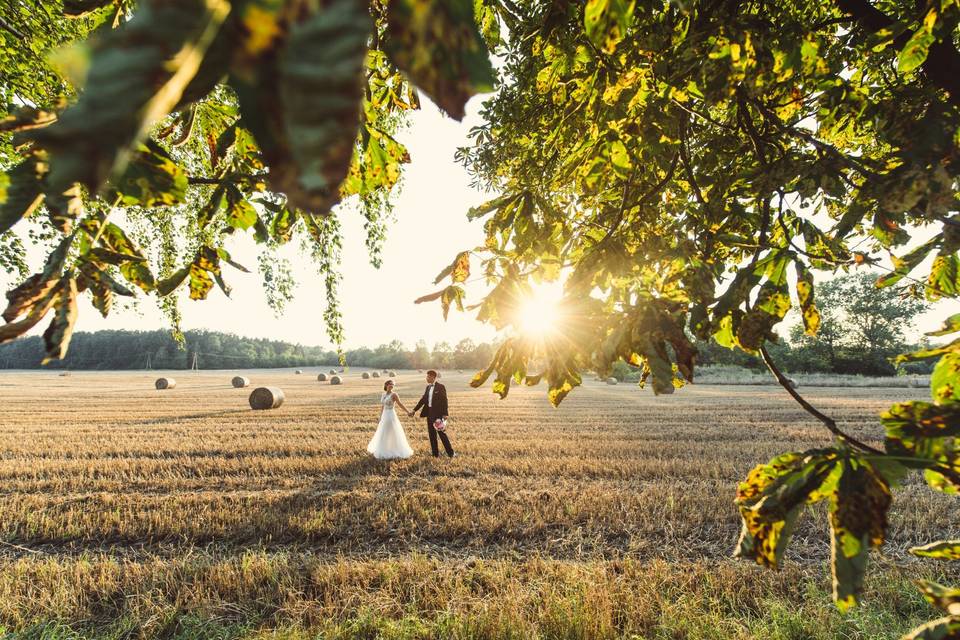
x,y
945,381
22,192
151,179
906,264
805,295
436,43
944,598
240,214
168,285
915,52
321,71
947,628
950,325
858,522
607,21
771,498
929,433
200,282
942,550
137,75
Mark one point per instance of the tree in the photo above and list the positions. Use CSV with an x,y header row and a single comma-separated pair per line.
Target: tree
x,y
860,322
682,168
202,119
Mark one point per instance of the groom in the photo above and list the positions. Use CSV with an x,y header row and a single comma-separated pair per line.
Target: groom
x,y
434,403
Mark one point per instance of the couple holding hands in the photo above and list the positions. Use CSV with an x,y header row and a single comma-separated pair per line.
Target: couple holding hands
x,y
390,441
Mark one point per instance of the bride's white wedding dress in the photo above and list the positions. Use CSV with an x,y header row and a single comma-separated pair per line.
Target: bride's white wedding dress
x,y
389,441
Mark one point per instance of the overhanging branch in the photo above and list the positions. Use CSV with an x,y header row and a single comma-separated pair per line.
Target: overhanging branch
x,y
943,60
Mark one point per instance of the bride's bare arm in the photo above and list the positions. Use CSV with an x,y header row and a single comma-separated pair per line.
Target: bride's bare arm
x,y
396,399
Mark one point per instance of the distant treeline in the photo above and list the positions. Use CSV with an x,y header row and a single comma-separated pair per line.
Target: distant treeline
x,y
216,350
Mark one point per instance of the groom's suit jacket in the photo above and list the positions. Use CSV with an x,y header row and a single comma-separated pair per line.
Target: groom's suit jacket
x,y
439,408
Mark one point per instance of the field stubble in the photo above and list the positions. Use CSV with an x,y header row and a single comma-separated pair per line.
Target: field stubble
x,y
169,511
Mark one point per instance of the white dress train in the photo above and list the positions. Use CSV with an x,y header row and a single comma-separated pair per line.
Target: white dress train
x,y
389,441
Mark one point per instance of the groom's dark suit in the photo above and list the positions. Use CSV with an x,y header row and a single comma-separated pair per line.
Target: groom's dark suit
x,y
434,408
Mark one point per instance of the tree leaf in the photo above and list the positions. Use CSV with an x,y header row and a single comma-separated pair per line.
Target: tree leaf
x,y
56,338
940,596
929,433
805,295
607,21
304,107
137,75
436,43
23,192
168,285
947,628
945,380
858,522
942,550
152,178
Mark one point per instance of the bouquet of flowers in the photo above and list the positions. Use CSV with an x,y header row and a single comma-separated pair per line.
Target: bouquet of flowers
x,y
440,424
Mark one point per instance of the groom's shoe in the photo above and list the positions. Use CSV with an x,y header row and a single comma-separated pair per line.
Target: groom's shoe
x,y
453,455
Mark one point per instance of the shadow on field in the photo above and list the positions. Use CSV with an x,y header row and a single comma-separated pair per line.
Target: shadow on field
x,y
174,419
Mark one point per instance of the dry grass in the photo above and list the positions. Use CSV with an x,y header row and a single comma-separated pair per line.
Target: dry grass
x,y
185,513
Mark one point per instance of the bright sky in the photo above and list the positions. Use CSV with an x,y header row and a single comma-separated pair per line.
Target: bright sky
x,y
377,305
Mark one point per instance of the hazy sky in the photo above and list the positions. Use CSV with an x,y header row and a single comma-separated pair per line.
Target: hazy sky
x,y
377,305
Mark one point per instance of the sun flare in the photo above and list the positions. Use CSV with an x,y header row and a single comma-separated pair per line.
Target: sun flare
x,y
539,315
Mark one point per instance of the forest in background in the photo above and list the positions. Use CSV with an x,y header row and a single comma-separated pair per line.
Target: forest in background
x,y
862,330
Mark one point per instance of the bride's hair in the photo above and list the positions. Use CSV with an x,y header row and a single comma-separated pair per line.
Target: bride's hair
x,y
386,383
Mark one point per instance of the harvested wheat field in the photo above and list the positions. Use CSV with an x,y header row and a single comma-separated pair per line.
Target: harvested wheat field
x,y
134,512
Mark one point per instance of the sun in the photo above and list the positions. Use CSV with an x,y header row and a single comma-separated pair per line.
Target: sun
x,y
539,314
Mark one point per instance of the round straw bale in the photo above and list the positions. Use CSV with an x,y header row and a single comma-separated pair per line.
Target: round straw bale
x,y
612,381
384,371
64,374
365,375
392,374
322,377
331,372
266,398
239,382
375,374
298,371
336,380
165,383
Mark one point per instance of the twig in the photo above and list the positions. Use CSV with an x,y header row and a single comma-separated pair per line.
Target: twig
x,y
16,546
8,27
827,421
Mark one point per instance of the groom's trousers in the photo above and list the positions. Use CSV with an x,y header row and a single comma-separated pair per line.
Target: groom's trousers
x,y
433,439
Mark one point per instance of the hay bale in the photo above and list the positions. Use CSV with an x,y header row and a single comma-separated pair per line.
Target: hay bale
x,y
165,383
612,381
336,380
64,374
298,371
419,370
392,374
365,375
459,370
239,382
321,377
332,372
375,374
384,371
266,398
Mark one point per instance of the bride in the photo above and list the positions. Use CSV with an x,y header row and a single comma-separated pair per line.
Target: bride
x,y
389,441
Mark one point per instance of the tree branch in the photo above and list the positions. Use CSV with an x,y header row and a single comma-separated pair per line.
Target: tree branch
x,y
10,28
942,62
827,421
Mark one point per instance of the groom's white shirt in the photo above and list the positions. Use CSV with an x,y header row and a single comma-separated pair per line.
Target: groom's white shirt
x,y
429,396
